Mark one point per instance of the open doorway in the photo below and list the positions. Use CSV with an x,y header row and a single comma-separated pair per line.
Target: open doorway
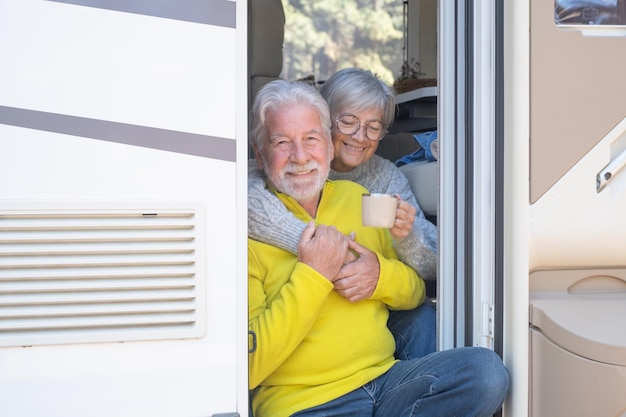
x,y
453,51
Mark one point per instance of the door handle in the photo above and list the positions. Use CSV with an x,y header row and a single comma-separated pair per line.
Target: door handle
x,y
606,174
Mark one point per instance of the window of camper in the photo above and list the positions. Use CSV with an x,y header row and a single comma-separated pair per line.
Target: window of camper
x,y
324,36
590,12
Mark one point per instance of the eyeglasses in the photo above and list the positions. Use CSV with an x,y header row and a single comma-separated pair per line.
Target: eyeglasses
x,y
349,124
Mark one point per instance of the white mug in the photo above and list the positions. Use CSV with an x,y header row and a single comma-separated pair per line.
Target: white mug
x,y
379,210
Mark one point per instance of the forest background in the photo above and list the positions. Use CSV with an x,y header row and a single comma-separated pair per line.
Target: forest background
x,y
323,36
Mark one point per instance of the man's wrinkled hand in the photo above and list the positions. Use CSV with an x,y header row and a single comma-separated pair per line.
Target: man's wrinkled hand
x,y
357,280
324,249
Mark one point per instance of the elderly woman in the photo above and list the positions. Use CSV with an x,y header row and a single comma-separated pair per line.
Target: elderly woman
x,y
361,109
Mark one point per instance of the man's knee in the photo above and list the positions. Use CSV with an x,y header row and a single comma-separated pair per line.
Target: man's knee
x,y
489,376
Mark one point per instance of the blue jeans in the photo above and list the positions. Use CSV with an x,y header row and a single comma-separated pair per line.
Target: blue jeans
x,y
469,381
415,331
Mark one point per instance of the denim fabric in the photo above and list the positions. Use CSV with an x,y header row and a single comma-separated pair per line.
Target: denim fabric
x,y
423,152
415,331
462,382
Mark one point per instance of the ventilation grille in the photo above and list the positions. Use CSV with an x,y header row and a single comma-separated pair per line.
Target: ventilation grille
x,y
76,276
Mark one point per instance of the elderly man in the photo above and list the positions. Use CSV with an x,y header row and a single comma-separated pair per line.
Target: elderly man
x,y
323,346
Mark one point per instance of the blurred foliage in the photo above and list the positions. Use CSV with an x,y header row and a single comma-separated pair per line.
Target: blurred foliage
x,y
323,36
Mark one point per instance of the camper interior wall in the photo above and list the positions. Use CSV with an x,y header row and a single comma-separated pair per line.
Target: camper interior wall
x,y
111,110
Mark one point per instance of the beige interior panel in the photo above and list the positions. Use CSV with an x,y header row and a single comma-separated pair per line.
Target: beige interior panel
x,y
577,95
560,378
577,342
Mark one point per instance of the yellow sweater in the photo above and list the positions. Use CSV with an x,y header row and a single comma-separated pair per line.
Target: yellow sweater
x,y
312,344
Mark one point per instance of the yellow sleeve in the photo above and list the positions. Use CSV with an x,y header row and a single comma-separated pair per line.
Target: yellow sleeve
x,y
398,286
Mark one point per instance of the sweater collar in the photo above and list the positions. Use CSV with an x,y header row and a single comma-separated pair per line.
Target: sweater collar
x,y
295,207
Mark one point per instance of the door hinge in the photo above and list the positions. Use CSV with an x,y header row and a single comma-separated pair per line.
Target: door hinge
x,y
487,330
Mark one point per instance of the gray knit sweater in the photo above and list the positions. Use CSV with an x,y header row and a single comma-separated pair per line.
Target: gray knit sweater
x,y
270,222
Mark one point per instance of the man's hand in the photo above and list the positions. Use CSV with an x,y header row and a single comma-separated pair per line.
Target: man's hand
x,y
324,249
405,216
357,280
351,255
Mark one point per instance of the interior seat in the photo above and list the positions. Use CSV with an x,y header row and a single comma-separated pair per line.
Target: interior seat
x,y
266,34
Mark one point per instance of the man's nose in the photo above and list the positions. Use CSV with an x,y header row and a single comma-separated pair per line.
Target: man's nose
x,y
299,154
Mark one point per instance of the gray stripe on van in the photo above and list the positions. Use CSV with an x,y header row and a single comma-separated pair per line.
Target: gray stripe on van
x,y
144,136
209,12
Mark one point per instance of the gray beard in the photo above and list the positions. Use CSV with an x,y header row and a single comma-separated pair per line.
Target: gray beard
x,y
300,190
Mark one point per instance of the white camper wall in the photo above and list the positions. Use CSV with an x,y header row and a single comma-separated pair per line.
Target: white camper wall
x,y
109,110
